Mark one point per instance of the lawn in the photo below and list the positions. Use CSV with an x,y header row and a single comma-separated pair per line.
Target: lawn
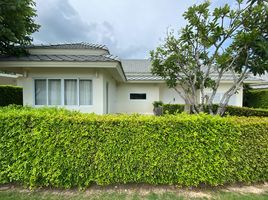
x,y
259,192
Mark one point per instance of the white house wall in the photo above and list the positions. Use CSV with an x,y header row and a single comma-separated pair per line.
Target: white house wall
x,y
125,105
97,86
7,81
236,99
119,92
112,93
169,96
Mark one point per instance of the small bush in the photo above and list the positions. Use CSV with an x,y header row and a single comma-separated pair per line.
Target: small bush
x,y
230,110
244,111
10,95
173,108
257,98
58,148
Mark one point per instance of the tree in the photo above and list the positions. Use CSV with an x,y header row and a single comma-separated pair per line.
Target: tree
x,y
214,42
16,25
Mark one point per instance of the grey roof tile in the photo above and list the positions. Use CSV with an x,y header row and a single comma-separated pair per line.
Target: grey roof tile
x,y
59,58
81,45
140,70
150,77
136,66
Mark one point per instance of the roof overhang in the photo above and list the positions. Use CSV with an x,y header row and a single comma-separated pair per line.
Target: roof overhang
x,y
19,67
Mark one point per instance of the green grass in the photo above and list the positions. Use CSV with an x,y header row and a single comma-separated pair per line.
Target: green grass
x,y
237,196
46,195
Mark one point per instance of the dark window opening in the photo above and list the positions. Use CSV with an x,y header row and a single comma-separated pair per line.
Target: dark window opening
x,y
137,95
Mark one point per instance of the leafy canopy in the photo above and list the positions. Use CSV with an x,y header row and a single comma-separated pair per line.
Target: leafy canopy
x,y
16,25
218,41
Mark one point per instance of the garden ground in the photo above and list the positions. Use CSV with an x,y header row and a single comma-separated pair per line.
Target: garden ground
x,y
138,192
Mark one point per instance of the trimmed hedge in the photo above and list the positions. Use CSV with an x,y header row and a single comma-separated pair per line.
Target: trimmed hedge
x,y
10,95
230,110
257,98
63,149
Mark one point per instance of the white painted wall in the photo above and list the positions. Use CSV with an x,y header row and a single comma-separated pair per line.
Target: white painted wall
x,y
125,105
67,73
236,99
112,93
7,81
169,96
119,93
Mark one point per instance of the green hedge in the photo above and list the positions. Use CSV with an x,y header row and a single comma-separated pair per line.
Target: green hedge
x,y
230,110
58,148
257,98
10,95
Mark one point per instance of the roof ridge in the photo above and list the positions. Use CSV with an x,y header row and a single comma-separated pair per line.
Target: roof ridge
x,y
75,45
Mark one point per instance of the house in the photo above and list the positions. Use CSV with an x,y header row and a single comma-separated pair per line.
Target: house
x,y
88,78
8,79
262,84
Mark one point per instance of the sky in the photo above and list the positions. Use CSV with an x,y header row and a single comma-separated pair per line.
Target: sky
x,y
129,28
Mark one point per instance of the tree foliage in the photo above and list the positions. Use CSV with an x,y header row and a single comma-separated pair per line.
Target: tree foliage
x,y
16,25
215,42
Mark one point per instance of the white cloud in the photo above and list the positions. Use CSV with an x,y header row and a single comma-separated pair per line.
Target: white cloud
x,y
129,28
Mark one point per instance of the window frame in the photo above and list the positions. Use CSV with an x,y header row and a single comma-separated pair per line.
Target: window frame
x,y
141,93
63,91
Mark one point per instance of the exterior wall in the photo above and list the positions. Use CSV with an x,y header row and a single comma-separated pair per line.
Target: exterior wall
x,y
156,92
119,93
112,93
236,100
125,105
169,96
67,73
7,81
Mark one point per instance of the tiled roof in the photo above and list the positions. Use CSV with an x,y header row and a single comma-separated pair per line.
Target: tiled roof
x,y
81,45
150,77
61,58
136,66
140,70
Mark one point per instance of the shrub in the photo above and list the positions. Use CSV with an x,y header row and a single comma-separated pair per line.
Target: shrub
x,y
10,95
257,98
157,104
230,110
173,108
244,111
64,149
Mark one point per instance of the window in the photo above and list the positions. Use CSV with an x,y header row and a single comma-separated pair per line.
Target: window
x,y
70,92
54,92
63,92
40,90
85,92
138,96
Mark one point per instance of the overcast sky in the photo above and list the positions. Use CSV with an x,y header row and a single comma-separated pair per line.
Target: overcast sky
x,y
129,28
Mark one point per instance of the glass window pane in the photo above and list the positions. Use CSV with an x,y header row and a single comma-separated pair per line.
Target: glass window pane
x,y
70,92
85,93
54,92
40,89
232,100
137,95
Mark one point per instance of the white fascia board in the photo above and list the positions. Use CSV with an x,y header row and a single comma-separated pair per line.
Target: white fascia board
x,y
36,64
10,75
144,81
121,72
